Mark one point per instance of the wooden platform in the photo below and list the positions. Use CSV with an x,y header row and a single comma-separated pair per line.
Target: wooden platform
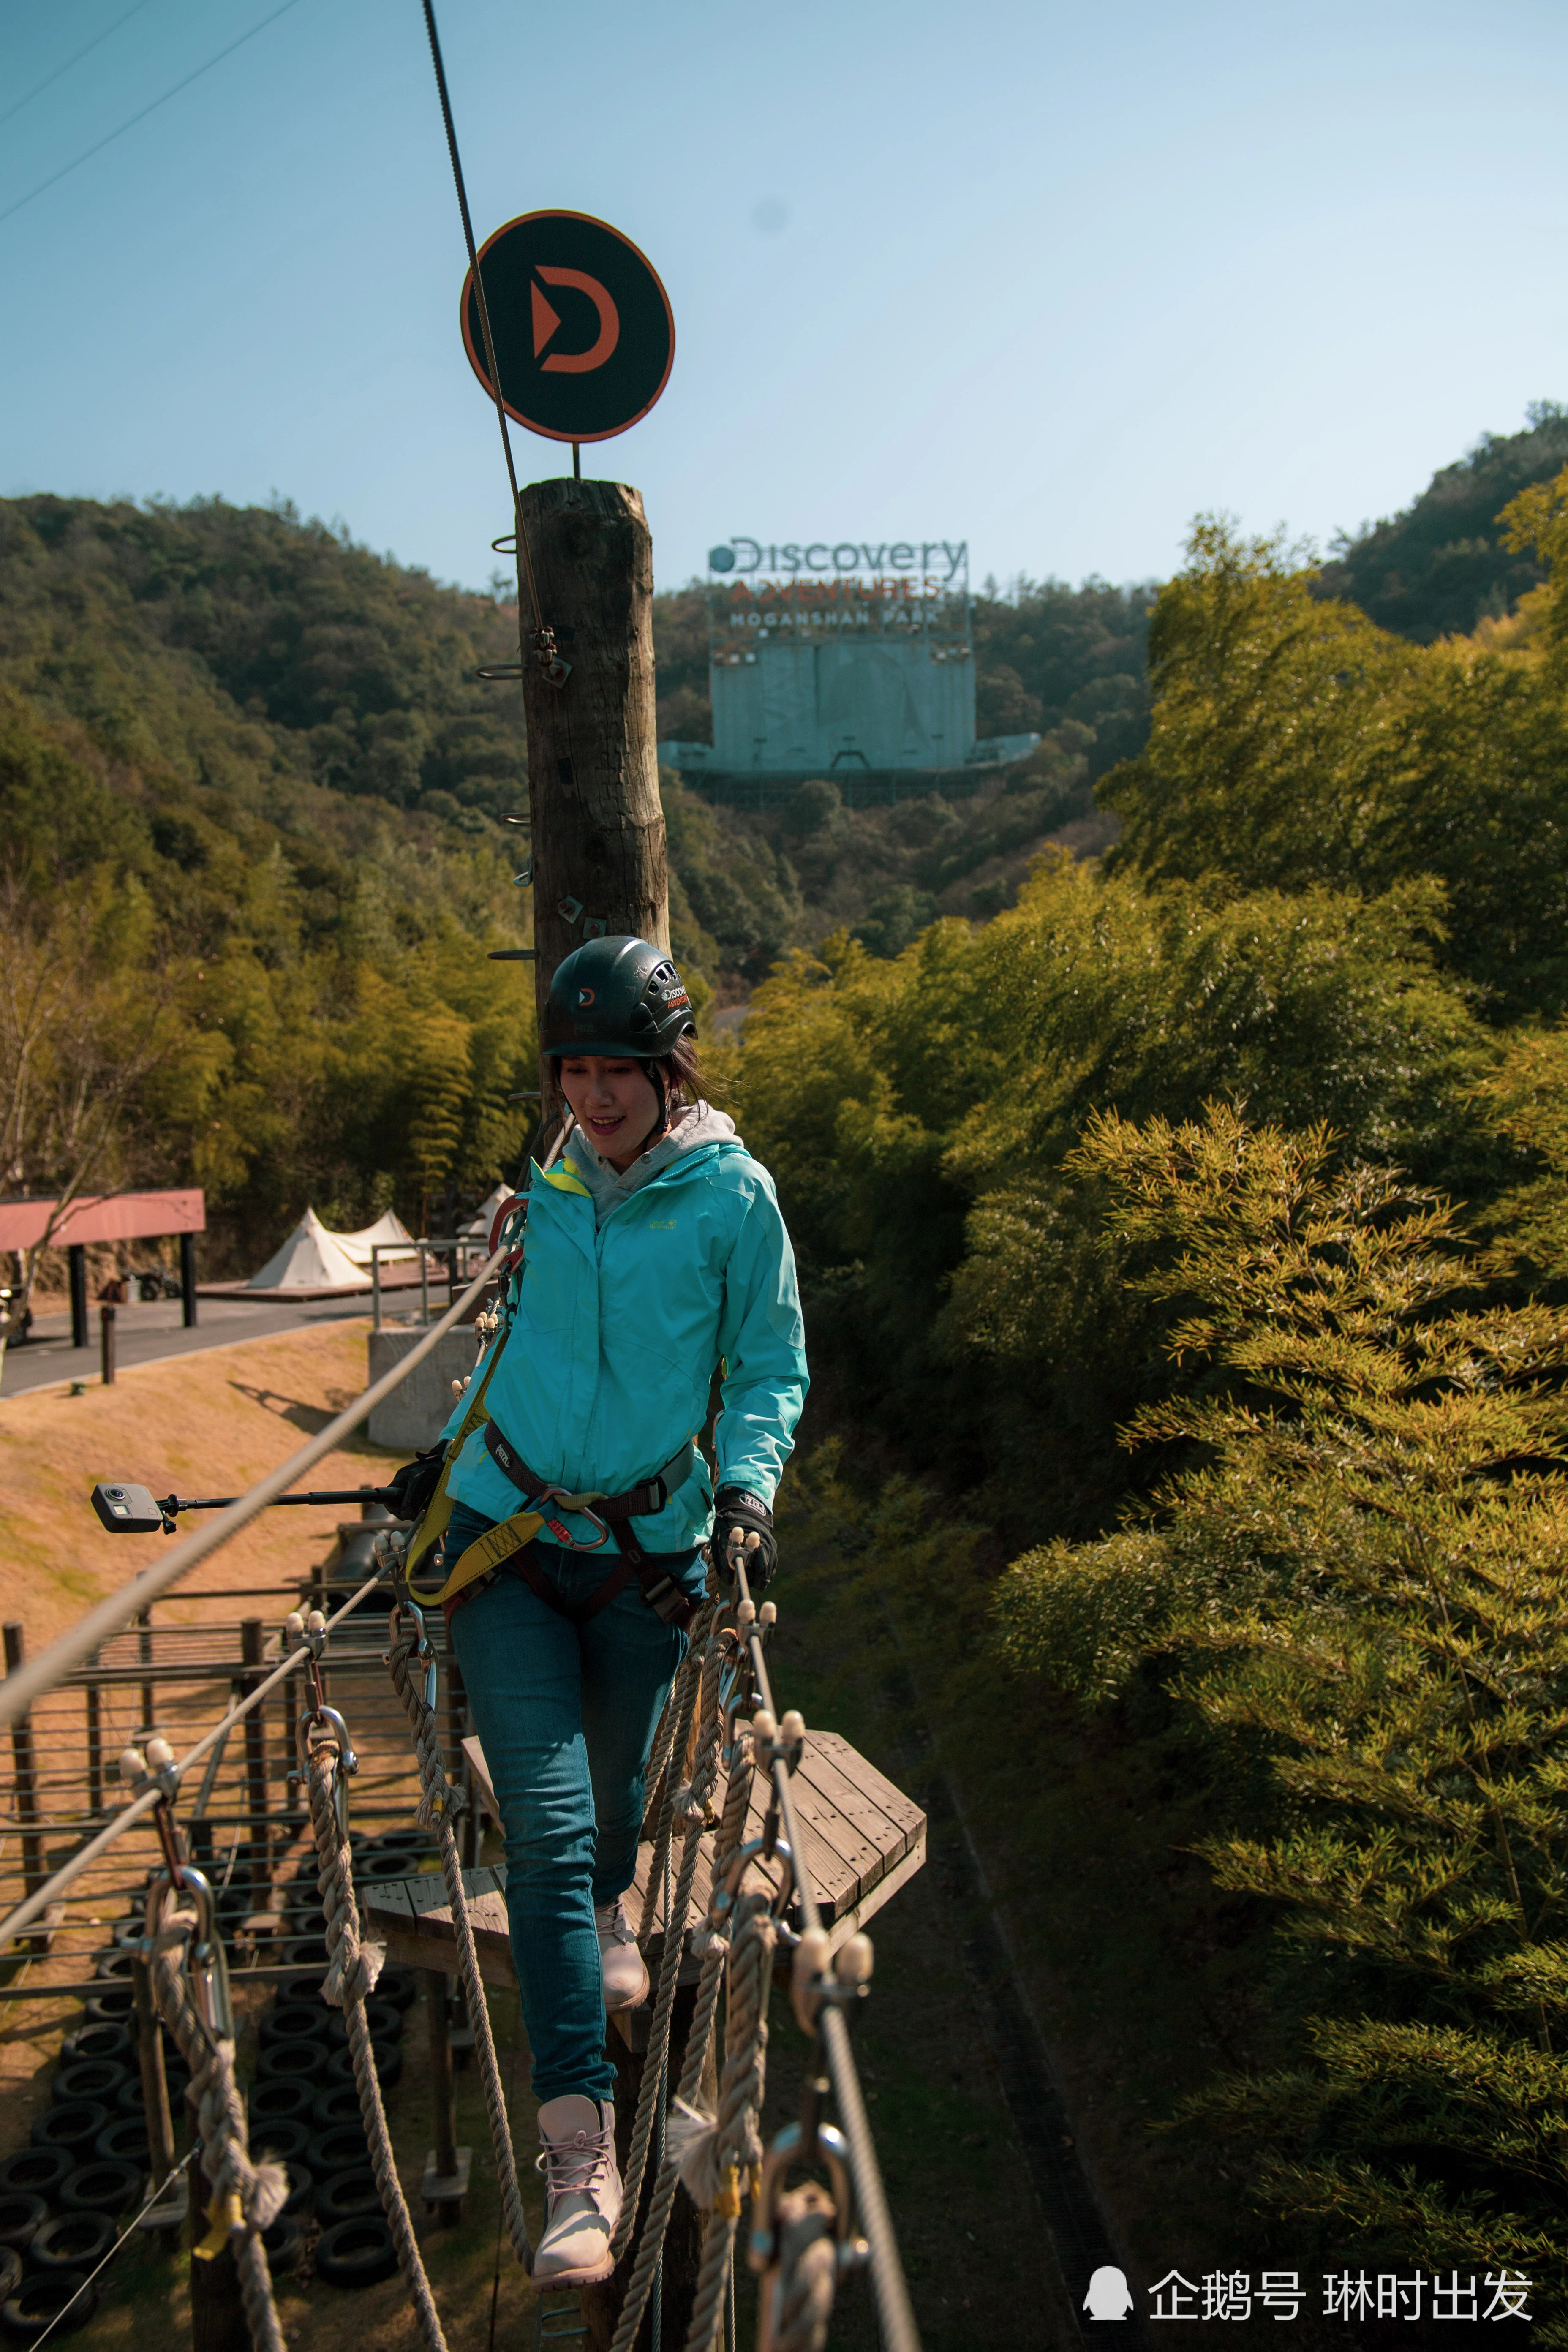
x,y
863,1838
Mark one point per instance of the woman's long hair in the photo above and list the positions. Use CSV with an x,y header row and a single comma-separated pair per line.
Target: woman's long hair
x,y
678,1080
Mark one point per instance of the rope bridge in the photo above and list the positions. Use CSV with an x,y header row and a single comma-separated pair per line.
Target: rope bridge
x,y
744,1862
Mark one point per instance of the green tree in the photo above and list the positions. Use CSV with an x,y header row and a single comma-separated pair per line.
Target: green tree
x,y
1538,519
1357,1582
1295,745
919,1114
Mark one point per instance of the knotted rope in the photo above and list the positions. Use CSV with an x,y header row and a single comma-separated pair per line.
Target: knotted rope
x,y
714,2156
700,1668
435,1809
676,1723
713,1942
247,2198
353,1970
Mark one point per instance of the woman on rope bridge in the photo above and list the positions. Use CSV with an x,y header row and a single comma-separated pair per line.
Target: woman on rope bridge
x,y
573,1504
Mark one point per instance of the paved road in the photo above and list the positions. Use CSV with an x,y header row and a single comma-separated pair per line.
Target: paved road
x,y
145,1334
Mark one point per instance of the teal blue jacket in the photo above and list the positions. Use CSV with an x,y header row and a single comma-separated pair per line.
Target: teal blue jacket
x,y
606,1368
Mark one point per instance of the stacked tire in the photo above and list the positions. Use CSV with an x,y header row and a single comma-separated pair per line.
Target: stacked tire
x,y
85,2167
305,2108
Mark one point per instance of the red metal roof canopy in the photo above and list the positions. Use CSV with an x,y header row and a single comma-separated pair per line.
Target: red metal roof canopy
x,y
105,1217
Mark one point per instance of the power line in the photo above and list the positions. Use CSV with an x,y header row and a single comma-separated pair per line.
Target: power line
x,y
38,87
131,121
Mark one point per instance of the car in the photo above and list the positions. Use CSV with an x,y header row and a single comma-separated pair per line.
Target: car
x,y
156,1282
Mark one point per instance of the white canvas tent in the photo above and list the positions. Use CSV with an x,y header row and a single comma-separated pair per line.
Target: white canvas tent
x,y
389,1232
483,1218
311,1259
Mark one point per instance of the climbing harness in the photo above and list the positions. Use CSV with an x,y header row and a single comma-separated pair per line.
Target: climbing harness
x,y
658,1589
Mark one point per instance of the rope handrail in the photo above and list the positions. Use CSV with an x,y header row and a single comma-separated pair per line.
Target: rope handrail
x,y
28,1683
16,1922
894,2309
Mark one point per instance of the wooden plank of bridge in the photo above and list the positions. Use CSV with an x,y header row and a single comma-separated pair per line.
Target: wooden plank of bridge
x,y
862,1838
414,1919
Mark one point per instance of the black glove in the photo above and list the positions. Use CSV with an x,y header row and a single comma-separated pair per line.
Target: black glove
x,y
409,1490
737,1514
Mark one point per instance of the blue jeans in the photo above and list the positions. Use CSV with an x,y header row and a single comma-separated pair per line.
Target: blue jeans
x,y
565,1714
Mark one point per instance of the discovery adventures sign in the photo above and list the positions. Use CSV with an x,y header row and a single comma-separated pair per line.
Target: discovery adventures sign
x,y
947,560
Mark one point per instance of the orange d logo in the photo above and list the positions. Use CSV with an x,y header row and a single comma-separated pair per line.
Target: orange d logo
x,y
578,328
546,319
585,996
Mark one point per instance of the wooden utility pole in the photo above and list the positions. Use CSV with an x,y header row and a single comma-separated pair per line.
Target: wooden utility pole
x,y
592,764
599,869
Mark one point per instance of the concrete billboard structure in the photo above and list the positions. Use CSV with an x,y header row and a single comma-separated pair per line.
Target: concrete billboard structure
x,y
851,661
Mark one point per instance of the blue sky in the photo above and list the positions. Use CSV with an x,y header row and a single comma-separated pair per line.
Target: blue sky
x,y
1049,278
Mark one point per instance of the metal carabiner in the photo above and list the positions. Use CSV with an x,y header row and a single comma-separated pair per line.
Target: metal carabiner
x,y
314,1718
563,1534
832,2150
754,1850
205,1964
425,1648
348,1762
741,1701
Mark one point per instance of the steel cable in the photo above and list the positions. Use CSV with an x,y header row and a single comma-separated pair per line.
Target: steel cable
x,y
19,1689
17,1921
525,559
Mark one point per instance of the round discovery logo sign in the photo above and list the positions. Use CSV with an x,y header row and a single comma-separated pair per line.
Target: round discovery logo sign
x,y
583,334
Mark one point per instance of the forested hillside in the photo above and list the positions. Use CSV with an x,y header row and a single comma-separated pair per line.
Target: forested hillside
x,y
251,869
249,779
238,746
1441,566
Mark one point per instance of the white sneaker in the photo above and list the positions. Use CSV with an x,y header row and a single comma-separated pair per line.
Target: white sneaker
x,y
582,2192
625,1969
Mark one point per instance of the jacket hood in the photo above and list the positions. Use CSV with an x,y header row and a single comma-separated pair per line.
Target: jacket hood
x,y
698,1128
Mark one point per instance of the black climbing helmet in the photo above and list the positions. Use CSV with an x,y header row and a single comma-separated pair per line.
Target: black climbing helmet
x,y
616,996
